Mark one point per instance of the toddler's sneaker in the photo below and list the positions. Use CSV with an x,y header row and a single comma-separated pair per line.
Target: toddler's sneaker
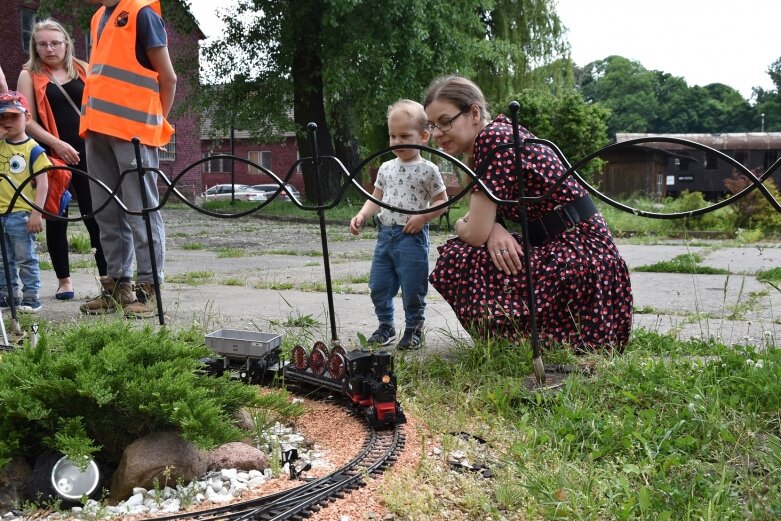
x,y
411,339
5,303
384,335
30,305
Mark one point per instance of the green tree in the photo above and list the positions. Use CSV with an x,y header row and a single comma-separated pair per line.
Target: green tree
x,y
576,127
624,87
769,101
345,62
646,101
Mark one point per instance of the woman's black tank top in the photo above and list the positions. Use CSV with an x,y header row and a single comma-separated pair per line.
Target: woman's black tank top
x,y
66,118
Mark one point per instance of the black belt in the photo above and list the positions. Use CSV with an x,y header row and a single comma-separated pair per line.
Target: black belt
x,y
562,219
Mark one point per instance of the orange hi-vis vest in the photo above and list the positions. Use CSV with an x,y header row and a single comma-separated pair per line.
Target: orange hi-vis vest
x,y
122,97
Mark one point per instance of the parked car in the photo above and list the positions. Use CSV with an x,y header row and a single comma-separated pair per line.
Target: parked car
x,y
270,188
241,193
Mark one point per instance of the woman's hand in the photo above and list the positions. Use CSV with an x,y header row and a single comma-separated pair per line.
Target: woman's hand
x,y
504,250
65,152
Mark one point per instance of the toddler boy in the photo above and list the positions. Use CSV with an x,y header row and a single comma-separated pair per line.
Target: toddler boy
x,y
400,259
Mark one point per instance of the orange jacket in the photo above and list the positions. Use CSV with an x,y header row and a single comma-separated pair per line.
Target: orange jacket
x,y
45,114
121,97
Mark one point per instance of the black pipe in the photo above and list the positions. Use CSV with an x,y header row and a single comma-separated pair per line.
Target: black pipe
x,y
539,369
148,224
312,129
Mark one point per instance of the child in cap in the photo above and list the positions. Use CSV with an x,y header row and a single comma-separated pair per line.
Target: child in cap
x,y
407,182
21,221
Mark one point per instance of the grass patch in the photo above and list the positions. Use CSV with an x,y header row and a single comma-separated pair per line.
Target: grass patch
x,y
191,278
668,430
231,253
298,253
233,281
193,246
80,243
772,275
686,263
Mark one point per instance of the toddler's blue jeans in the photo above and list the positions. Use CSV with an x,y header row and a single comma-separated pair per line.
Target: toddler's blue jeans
x,y
400,261
22,260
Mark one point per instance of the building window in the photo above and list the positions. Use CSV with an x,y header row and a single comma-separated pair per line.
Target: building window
x,y
259,157
28,21
711,161
659,184
169,154
215,166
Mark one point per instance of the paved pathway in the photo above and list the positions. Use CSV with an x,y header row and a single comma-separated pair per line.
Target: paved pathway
x,y
736,308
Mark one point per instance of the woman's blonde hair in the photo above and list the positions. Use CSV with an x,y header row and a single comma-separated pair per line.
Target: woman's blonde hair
x,y
413,109
35,65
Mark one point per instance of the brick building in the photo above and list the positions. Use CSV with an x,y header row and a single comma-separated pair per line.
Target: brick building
x,y
17,18
278,157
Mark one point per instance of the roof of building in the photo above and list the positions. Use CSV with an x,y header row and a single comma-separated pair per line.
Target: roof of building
x,y
724,141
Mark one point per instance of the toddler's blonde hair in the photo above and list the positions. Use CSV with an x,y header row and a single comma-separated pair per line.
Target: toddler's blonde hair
x,y
413,109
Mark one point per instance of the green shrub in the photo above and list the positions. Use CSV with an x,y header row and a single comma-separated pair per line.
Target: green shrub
x,y
95,388
722,219
754,210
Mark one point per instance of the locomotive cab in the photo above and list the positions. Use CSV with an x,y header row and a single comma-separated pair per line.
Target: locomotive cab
x,y
371,385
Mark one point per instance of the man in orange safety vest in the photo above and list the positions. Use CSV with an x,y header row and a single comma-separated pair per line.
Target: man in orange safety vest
x,y
128,93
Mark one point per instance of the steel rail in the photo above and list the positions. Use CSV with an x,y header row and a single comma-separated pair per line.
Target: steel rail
x,y
378,452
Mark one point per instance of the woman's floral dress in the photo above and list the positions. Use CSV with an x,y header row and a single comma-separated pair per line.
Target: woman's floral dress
x,y
581,283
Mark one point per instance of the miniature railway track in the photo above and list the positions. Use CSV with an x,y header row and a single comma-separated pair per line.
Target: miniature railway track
x,y
379,451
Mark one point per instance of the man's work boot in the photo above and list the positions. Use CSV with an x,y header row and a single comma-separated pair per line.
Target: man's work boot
x,y
115,295
145,305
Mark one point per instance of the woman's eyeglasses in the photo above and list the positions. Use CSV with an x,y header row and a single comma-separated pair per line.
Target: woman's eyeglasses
x,y
447,124
49,45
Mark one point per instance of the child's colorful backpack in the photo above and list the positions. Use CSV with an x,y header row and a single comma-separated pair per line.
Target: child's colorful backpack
x,y
58,197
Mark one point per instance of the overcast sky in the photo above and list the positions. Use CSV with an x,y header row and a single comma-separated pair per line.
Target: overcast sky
x,y
704,41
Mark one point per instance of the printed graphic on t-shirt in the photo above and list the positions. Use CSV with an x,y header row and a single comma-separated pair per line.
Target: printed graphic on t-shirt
x,y
410,186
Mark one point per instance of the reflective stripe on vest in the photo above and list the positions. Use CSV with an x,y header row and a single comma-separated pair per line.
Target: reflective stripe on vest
x,y
108,71
123,112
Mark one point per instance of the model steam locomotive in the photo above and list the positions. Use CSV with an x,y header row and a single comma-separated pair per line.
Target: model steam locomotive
x,y
363,377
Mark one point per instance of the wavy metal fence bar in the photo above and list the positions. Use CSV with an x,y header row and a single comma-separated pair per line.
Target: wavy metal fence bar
x,y
351,178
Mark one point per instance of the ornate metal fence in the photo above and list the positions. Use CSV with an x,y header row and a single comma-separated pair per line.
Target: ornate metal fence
x,y
351,178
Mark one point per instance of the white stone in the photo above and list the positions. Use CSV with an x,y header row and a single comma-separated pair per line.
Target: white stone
x,y
256,482
134,500
139,490
172,507
229,473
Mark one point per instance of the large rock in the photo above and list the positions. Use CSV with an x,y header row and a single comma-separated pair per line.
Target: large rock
x,y
236,455
148,458
12,483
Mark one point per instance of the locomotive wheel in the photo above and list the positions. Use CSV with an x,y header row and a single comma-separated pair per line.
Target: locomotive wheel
x,y
320,345
337,364
317,361
300,358
338,349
